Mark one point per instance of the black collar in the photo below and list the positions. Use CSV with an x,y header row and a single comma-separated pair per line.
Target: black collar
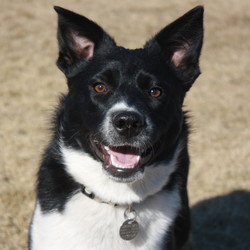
x,y
92,196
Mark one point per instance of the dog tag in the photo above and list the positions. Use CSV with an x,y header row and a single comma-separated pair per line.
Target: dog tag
x,y
129,229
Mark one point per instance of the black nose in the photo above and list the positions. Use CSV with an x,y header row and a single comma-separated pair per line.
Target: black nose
x,y
128,123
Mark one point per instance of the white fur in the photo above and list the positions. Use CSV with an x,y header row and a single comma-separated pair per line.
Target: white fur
x,y
122,105
89,172
89,225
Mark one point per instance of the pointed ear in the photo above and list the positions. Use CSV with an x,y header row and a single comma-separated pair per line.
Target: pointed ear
x,y
78,39
180,43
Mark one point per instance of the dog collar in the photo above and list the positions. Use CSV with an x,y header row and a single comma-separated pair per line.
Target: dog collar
x,y
130,227
92,196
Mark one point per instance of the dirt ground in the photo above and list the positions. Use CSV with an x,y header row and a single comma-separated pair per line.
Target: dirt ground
x,y
219,183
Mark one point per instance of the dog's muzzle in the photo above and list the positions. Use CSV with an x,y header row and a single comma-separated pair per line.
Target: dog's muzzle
x,y
126,153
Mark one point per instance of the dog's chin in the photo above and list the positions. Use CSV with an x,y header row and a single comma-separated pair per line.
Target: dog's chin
x,y
121,175
123,163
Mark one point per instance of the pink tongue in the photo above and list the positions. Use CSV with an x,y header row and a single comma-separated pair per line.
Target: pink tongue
x,y
126,160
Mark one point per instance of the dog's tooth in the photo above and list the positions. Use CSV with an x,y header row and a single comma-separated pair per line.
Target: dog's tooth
x,y
113,162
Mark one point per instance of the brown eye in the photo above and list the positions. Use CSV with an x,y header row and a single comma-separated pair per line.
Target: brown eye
x,y
100,88
155,92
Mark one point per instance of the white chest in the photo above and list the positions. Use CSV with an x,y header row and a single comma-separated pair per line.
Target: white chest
x,y
87,224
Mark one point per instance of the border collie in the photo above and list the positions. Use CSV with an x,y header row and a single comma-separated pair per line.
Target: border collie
x,y
114,175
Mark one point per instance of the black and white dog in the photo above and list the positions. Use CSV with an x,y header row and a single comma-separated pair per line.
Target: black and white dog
x,y
115,173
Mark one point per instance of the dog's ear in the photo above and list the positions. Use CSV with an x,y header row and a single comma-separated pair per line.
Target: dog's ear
x,y
78,38
180,43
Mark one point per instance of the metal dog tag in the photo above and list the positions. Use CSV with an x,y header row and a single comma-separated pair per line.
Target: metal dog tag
x,y
129,229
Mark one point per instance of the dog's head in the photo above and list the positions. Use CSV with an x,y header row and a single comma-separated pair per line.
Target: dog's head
x,y
124,107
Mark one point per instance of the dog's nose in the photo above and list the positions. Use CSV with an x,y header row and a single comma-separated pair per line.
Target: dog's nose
x,y
128,123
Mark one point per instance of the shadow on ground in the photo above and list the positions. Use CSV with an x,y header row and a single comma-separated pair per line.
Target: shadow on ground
x,y
222,223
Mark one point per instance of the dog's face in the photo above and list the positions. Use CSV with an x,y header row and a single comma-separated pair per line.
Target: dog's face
x,y
124,107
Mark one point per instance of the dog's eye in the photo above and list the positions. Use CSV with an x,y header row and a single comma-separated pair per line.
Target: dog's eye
x,y
100,88
155,92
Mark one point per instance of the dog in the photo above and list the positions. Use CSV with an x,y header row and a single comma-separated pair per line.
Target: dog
x,y
114,175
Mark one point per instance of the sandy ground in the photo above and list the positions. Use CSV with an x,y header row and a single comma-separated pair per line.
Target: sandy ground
x,y
219,183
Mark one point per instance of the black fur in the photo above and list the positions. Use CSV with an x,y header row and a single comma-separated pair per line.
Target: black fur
x,y
131,74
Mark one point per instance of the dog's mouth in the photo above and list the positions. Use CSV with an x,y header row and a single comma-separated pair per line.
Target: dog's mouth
x,y
123,163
